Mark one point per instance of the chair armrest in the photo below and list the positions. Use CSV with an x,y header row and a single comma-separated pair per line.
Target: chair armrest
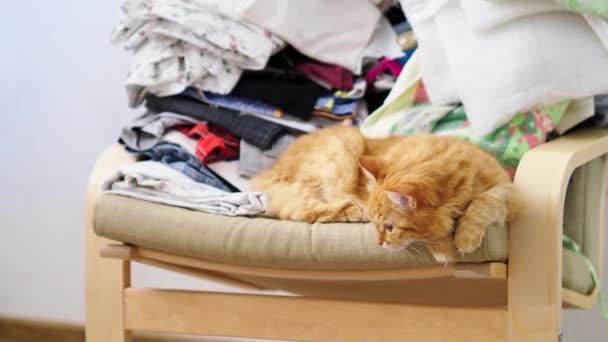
x,y
535,237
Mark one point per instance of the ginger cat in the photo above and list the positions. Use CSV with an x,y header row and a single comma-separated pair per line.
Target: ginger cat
x,y
440,190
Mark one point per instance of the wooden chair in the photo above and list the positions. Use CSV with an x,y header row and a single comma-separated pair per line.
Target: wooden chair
x,y
517,301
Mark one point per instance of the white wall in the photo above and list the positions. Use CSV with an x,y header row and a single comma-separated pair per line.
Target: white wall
x,y
62,102
61,87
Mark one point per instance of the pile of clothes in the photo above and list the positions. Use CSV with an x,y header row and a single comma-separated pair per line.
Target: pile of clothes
x,y
228,85
506,75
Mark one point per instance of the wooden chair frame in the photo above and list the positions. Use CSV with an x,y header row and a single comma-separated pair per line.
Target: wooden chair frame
x,y
533,300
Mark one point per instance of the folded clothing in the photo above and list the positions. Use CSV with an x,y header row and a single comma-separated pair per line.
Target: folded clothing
x,y
255,108
182,160
252,129
337,106
292,92
510,142
179,43
148,129
209,143
407,111
383,43
480,69
341,103
329,75
253,161
311,26
213,143
154,182
385,64
321,116
244,105
333,76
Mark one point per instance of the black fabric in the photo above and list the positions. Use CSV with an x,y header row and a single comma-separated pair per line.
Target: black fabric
x,y
290,90
287,59
395,15
600,118
256,131
375,99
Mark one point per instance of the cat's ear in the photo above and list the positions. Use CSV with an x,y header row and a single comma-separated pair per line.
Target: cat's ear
x,y
403,201
372,166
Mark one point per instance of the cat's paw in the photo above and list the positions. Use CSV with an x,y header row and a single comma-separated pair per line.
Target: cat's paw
x,y
468,240
443,252
355,213
444,258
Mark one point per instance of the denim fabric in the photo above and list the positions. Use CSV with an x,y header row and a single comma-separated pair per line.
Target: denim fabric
x,y
256,131
178,159
241,104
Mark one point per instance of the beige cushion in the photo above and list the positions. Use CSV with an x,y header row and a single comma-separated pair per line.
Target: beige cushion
x,y
265,242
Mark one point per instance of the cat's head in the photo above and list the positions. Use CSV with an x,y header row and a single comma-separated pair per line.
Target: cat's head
x,y
404,208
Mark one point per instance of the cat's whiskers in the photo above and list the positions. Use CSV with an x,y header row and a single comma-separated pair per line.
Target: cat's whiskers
x,y
406,248
416,244
411,248
439,243
420,253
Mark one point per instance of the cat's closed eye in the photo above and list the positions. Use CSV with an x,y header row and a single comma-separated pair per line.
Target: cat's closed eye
x,y
388,227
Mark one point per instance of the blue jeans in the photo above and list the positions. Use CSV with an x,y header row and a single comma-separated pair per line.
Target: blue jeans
x,y
177,158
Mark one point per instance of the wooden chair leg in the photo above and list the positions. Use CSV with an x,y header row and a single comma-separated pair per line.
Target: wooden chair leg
x,y
106,280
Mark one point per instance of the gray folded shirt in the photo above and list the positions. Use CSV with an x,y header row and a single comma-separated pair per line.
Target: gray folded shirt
x,y
253,160
148,129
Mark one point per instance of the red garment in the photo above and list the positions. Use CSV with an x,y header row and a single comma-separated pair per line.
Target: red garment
x,y
334,75
385,64
421,96
214,142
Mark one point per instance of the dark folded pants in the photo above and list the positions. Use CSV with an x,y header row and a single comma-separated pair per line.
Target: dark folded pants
x,y
256,131
292,92
178,159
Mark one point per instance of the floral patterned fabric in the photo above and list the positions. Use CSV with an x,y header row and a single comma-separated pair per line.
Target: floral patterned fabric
x,y
179,43
510,142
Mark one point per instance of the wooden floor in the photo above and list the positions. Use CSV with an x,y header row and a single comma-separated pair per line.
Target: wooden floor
x,y
16,330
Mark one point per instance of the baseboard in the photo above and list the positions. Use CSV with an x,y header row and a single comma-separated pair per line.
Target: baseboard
x,y
23,330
